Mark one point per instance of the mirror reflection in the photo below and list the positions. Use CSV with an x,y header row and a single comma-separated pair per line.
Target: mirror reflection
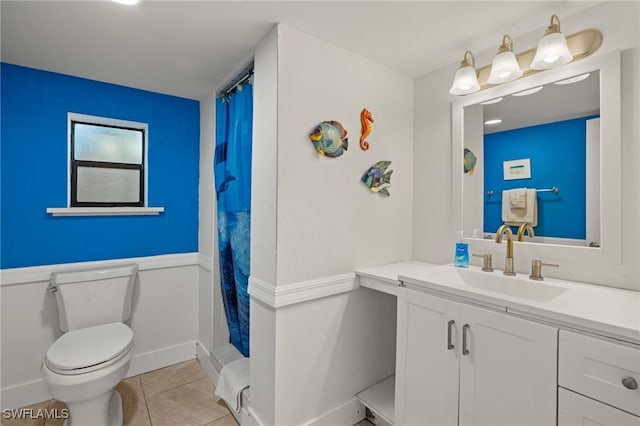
x,y
533,157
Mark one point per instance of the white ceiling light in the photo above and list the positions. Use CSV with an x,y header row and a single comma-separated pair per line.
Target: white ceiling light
x,y
528,91
575,79
505,65
127,2
465,80
494,121
492,101
552,48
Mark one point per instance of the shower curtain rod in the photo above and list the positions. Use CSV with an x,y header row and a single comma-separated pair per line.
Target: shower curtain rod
x,y
243,76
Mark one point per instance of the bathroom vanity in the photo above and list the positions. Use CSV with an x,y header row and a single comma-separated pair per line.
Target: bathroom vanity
x,y
478,347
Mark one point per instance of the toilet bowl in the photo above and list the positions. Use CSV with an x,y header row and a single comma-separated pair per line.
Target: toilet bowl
x,y
83,367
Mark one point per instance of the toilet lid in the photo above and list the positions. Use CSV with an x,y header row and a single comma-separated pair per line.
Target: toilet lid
x,y
89,346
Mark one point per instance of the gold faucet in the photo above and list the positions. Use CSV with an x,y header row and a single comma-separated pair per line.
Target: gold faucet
x,y
508,260
525,227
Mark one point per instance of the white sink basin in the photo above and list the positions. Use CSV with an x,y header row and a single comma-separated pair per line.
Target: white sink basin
x,y
495,282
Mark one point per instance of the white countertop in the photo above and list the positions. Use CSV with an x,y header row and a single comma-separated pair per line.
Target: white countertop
x,y
385,278
596,309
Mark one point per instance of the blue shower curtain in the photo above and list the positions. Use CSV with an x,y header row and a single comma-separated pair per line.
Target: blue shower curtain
x,y
232,172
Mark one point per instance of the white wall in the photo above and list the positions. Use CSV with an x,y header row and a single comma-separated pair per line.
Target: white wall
x,y
326,341
618,22
263,226
213,331
329,349
164,320
328,221
206,223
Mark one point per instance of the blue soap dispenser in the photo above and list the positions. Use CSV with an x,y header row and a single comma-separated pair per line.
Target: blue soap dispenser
x,y
461,259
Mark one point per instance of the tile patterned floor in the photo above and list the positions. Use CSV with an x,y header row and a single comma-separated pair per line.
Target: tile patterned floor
x,y
180,394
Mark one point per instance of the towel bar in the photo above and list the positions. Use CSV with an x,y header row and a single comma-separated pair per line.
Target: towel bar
x,y
555,190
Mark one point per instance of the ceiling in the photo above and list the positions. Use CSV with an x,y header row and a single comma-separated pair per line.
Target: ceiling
x,y
189,48
554,102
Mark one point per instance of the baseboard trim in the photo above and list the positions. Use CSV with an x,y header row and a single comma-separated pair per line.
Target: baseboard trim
x,y
36,391
33,274
24,394
289,294
349,413
160,358
204,357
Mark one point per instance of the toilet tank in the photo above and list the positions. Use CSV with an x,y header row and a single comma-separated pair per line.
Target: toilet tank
x,y
93,297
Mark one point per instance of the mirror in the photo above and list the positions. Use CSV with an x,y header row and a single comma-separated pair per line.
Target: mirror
x,y
602,209
545,139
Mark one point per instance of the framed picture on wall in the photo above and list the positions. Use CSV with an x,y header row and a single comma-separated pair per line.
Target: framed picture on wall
x,y
517,169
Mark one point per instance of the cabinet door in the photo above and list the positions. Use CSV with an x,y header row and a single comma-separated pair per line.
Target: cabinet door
x,y
427,366
508,377
575,410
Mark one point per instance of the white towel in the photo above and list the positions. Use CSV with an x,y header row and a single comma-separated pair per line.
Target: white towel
x,y
518,198
518,216
234,378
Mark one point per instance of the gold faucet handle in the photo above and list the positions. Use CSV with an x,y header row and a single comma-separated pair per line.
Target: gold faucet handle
x,y
536,269
487,266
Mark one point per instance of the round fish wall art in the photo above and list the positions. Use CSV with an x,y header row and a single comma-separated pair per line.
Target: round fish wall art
x,y
377,178
469,161
330,139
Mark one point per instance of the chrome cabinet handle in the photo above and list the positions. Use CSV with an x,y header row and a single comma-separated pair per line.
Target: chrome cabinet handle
x,y
465,349
630,383
449,326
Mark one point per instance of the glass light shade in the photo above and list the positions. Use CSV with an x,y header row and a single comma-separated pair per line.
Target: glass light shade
x,y
504,68
552,52
465,81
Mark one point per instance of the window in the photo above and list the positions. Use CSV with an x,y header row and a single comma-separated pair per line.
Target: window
x,y
107,162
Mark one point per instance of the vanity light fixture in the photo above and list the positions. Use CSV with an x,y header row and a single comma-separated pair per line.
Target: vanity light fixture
x,y
575,79
528,91
505,65
580,45
552,48
466,79
494,121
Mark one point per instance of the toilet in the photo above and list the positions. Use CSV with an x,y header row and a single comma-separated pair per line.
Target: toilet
x,y
83,367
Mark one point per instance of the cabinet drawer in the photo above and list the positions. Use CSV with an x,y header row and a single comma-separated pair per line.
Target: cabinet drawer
x,y
574,410
596,368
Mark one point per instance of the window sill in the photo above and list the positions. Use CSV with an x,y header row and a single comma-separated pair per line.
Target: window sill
x,y
104,211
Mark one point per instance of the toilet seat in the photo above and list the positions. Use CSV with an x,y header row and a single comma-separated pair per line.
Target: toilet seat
x,y
89,349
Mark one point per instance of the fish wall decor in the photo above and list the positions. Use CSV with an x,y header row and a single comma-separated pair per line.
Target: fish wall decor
x,y
330,138
365,120
377,178
470,160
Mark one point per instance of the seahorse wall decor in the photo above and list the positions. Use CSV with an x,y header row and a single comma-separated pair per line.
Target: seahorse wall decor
x,y
365,119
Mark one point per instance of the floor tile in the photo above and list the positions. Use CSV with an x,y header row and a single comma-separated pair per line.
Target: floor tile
x,y
228,420
170,377
180,394
193,404
31,415
130,389
135,413
58,408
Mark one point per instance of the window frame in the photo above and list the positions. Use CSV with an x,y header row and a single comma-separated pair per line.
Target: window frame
x,y
73,164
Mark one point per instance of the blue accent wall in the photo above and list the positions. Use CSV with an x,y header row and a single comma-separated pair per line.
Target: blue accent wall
x,y
34,174
558,158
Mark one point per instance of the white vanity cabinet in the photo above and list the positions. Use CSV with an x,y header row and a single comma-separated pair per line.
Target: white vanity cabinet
x,y
599,381
462,364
